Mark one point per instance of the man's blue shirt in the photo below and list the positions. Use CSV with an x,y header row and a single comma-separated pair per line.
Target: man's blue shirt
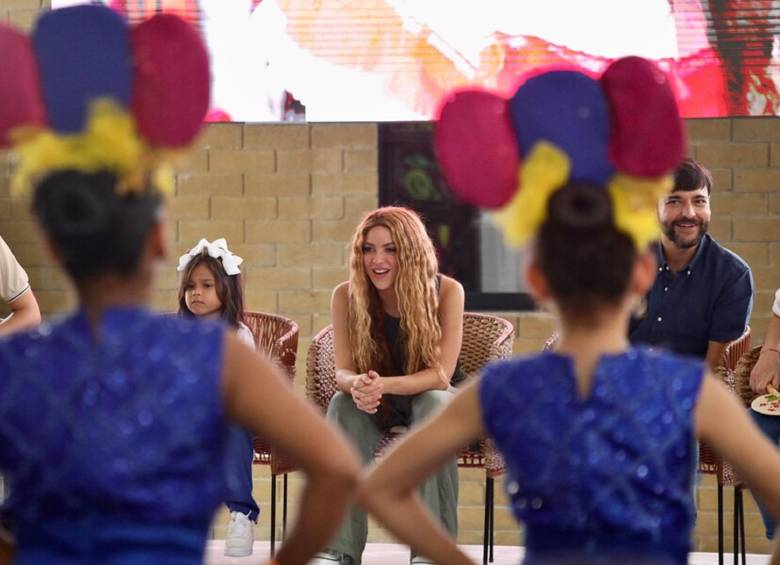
x,y
710,299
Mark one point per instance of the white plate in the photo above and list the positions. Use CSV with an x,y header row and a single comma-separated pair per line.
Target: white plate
x,y
768,404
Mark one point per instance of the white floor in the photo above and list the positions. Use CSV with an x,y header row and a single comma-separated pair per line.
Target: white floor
x,y
391,554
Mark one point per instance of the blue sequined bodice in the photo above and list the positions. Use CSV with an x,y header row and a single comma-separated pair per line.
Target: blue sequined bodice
x,y
611,471
110,439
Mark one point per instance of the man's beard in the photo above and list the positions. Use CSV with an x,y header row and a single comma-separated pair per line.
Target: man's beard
x,y
669,232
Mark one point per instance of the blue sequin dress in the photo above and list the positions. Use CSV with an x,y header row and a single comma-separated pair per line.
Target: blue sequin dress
x,y
113,446
602,479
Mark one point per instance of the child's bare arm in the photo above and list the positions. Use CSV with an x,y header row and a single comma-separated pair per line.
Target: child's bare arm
x,y
259,398
388,490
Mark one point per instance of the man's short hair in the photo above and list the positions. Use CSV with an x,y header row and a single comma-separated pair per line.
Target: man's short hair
x,y
692,175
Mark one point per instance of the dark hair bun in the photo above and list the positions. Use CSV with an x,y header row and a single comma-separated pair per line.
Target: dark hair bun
x,y
93,229
580,208
76,207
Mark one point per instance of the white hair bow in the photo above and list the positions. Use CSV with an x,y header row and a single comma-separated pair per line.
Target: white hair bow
x,y
217,249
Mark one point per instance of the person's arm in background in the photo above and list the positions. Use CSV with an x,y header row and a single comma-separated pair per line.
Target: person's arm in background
x,y
730,316
767,368
16,293
25,313
260,399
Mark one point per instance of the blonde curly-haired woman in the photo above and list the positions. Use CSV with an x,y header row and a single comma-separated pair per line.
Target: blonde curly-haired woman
x,y
398,327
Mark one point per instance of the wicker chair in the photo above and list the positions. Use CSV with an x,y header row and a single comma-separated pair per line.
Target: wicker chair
x,y
711,463
277,336
485,338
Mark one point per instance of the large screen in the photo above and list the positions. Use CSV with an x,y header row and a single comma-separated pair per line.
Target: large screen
x,y
393,60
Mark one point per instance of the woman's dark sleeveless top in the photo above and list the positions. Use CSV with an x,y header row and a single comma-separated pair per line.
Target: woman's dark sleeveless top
x,y
396,410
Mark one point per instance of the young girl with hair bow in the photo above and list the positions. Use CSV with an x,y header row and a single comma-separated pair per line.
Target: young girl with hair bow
x,y
211,286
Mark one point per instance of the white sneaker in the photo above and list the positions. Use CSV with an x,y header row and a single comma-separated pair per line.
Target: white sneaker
x,y
240,535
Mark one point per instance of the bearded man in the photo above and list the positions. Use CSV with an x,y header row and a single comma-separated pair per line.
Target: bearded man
x,y
703,293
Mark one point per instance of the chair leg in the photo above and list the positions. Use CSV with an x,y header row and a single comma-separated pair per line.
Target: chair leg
x,y
492,517
736,526
720,524
742,524
284,506
486,539
273,514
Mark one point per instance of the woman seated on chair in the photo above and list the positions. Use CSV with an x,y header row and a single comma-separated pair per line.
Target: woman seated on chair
x,y
766,372
398,327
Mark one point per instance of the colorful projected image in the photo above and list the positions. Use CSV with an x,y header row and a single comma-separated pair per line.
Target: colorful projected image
x,y
392,60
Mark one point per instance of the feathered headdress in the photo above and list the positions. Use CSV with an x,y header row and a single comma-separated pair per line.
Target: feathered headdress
x,y
622,132
87,92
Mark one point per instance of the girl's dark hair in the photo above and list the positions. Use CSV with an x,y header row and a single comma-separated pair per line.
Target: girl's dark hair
x,y
586,260
229,289
94,230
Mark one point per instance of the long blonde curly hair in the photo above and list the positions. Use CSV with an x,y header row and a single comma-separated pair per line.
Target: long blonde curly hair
x,y
415,287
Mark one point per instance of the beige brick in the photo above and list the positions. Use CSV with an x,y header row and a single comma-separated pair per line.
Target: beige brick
x,y
766,278
536,325
278,231
721,228
246,160
313,254
774,204
763,301
260,300
51,301
774,253
226,208
227,185
5,186
739,203
165,300
23,19
733,155
19,232
358,206
276,136
526,346
756,129
277,184
304,328
353,135
276,278
360,160
21,209
346,183
30,253
5,208
329,277
254,255
168,279
721,180
194,161
700,130
338,230
189,207
329,208
774,160
756,229
308,160
757,180
304,301
221,135
21,4
319,321
194,230
758,323
752,253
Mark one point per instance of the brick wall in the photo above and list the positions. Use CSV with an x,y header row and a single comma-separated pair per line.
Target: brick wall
x,y
288,196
